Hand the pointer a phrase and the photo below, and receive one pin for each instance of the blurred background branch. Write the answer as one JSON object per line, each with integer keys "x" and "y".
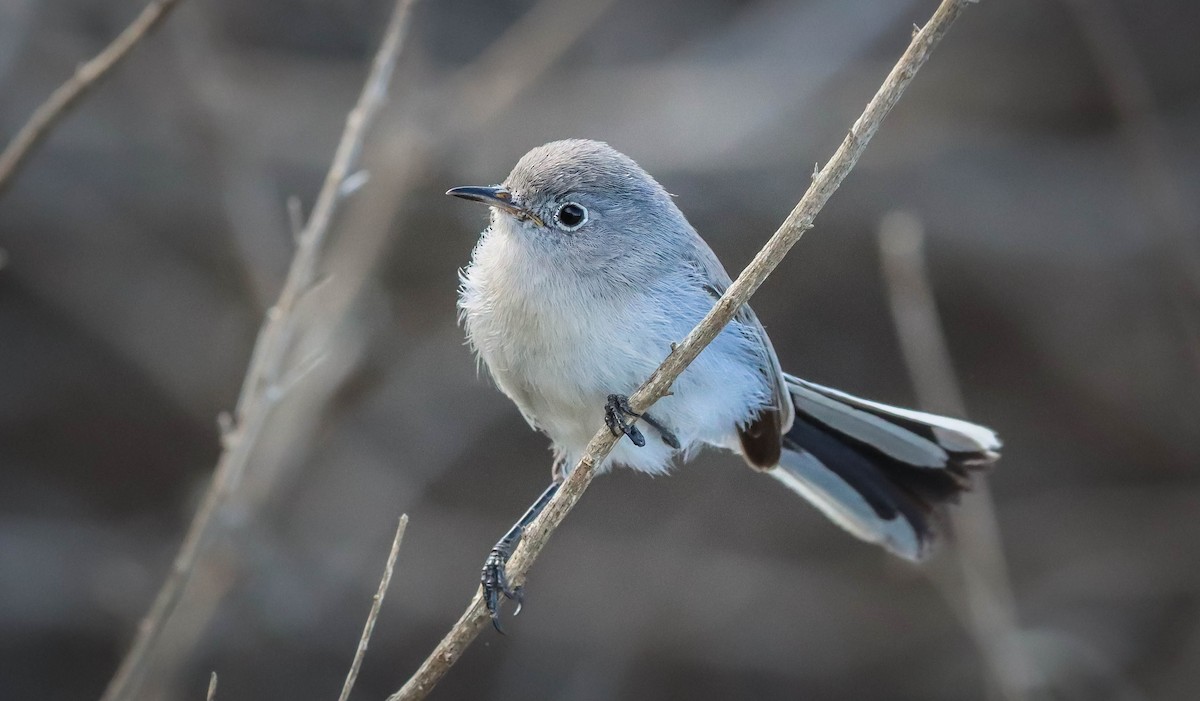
{"x": 1163, "y": 201}
{"x": 86, "y": 76}
{"x": 988, "y": 601}
{"x": 270, "y": 375}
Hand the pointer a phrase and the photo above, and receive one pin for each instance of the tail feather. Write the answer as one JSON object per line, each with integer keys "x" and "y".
{"x": 879, "y": 471}
{"x": 973, "y": 441}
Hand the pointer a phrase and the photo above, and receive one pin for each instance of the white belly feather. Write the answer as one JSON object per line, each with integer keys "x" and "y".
{"x": 526, "y": 327}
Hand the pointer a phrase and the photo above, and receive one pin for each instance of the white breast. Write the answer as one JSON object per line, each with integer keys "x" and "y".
{"x": 527, "y": 324}
{"x": 558, "y": 344}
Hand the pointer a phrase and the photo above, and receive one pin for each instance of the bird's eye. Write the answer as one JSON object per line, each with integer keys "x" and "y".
{"x": 571, "y": 216}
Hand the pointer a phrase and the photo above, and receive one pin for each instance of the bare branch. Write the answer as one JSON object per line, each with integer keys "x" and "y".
{"x": 295, "y": 214}
{"x": 48, "y": 114}
{"x": 522, "y": 55}
{"x": 1133, "y": 99}
{"x": 212, "y": 688}
{"x": 1157, "y": 181}
{"x": 797, "y": 222}
{"x": 376, "y": 605}
{"x": 990, "y": 610}
{"x": 914, "y": 313}
{"x": 267, "y": 359}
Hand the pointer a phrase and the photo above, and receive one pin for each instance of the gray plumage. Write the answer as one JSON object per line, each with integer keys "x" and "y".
{"x": 565, "y": 309}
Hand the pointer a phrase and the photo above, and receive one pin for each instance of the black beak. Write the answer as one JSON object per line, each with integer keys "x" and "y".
{"x": 494, "y": 197}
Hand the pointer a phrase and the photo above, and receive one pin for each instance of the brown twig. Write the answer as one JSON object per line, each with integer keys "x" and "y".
{"x": 823, "y": 185}
{"x": 990, "y": 612}
{"x": 43, "y": 119}
{"x": 376, "y": 605}
{"x": 261, "y": 388}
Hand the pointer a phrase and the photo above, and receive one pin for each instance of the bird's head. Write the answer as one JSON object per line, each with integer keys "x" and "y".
{"x": 584, "y": 198}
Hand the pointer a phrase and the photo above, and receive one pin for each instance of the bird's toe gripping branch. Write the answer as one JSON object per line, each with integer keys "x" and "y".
{"x": 495, "y": 582}
{"x": 620, "y": 417}
{"x": 494, "y": 576}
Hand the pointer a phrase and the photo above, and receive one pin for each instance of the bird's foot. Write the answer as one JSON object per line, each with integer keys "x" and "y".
{"x": 665, "y": 433}
{"x": 494, "y": 580}
{"x": 619, "y": 417}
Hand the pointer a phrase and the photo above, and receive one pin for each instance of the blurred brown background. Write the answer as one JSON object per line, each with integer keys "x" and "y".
{"x": 1050, "y": 150}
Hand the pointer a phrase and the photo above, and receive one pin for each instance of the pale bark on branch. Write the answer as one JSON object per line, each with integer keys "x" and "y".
{"x": 824, "y": 183}
{"x": 267, "y": 378}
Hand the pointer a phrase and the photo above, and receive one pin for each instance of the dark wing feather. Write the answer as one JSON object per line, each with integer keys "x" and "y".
{"x": 762, "y": 439}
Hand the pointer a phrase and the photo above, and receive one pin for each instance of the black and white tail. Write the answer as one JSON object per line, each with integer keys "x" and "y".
{"x": 876, "y": 470}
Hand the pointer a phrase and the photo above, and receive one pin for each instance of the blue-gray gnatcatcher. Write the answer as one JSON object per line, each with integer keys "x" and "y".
{"x": 574, "y": 295}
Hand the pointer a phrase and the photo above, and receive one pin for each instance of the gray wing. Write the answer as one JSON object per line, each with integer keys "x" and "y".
{"x": 711, "y": 275}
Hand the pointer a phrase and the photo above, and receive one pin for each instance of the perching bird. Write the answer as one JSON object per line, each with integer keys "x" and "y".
{"x": 576, "y": 292}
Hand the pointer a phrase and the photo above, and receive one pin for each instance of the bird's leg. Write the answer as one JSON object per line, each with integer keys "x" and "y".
{"x": 493, "y": 577}
{"x": 618, "y": 415}
{"x": 665, "y": 433}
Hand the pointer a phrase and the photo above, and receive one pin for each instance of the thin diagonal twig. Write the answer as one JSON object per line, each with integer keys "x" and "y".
{"x": 259, "y": 393}
{"x": 823, "y": 185}
{"x": 376, "y": 605}
{"x": 86, "y": 76}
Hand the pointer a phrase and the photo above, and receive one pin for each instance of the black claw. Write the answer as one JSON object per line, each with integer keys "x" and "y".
{"x": 490, "y": 598}
{"x": 494, "y": 580}
{"x": 617, "y": 415}
{"x": 518, "y": 595}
